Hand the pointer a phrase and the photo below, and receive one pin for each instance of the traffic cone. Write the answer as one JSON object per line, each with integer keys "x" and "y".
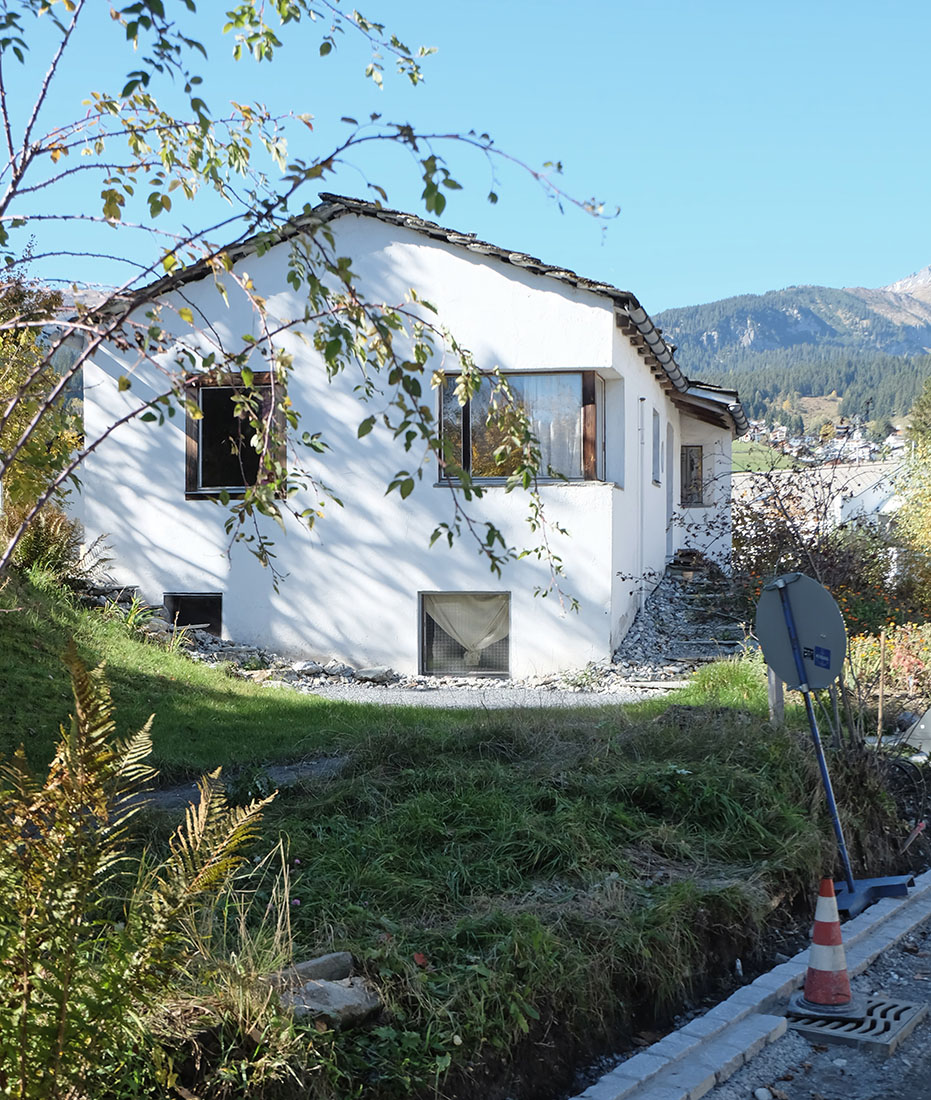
{"x": 827, "y": 985}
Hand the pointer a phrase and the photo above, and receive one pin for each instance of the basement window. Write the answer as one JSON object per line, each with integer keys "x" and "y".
{"x": 221, "y": 455}
{"x": 692, "y": 477}
{"x": 562, "y": 410}
{"x": 203, "y": 609}
{"x": 465, "y": 633}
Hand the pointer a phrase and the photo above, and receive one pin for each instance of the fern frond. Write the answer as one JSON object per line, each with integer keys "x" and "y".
{"x": 207, "y": 848}
{"x": 93, "y": 706}
{"x": 132, "y": 775}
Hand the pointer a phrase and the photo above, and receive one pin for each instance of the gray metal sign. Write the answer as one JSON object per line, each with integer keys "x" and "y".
{"x": 819, "y": 624}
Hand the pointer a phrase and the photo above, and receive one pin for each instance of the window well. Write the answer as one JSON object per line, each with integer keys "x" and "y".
{"x": 203, "y": 609}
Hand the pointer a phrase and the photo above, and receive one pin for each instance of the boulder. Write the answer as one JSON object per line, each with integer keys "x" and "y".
{"x": 380, "y": 674}
{"x": 342, "y": 1003}
{"x": 337, "y": 668}
{"x": 157, "y": 627}
{"x": 308, "y": 668}
{"x": 331, "y": 967}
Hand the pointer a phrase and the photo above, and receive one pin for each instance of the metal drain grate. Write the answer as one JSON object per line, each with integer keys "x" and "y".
{"x": 887, "y": 1023}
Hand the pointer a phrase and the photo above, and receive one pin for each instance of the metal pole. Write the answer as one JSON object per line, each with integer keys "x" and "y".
{"x": 882, "y": 688}
{"x": 815, "y": 736}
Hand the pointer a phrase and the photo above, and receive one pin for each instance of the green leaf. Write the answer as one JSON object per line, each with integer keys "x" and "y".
{"x": 186, "y": 314}
{"x": 325, "y": 48}
{"x": 148, "y": 417}
{"x": 123, "y": 383}
{"x": 365, "y": 427}
{"x": 406, "y": 488}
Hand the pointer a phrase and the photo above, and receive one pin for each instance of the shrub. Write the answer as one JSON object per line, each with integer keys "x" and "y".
{"x": 52, "y": 543}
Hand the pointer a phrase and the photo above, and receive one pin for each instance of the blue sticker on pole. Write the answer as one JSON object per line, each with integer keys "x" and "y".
{"x": 822, "y": 657}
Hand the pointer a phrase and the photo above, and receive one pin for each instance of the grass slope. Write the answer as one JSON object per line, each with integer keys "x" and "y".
{"x": 520, "y": 886}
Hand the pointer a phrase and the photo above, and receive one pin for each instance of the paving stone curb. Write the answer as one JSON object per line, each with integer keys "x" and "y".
{"x": 689, "y": 1062}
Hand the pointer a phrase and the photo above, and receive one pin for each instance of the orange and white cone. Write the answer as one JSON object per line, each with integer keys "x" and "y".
{"x": 827, "y": 984}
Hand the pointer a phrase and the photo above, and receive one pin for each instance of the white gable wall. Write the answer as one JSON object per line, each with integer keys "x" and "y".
{"x": 351, "y": 585}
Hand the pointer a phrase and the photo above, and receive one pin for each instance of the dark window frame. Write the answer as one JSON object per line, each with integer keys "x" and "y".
{"x": 193, "y": 490}
{"x": 592, "y": 445}
{"x": 691, "y": 487}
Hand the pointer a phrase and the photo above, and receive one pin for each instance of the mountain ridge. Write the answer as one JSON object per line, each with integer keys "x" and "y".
{"x": 868, "y": 344}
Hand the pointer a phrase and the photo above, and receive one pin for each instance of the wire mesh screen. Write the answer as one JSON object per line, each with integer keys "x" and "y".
{"x": 444, "y": 654}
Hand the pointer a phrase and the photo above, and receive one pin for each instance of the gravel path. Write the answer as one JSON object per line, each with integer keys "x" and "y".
{"x": 492, "y": 694}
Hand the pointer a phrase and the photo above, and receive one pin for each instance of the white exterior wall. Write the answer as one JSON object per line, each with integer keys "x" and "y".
{"x": 352, "y": 584}
{"x": 707, "y": 526}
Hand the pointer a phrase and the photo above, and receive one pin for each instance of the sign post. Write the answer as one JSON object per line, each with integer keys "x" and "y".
{"x": 804, "y": 641}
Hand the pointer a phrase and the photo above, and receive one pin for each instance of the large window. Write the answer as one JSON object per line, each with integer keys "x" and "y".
{"x": 465, "y": 633}
{"x": 561, "y": 408}
{"x": 692, "y": 479}
{"x": 221, "y": 453}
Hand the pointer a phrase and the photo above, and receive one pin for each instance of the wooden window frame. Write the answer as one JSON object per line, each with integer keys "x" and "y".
{"x": 592, "y": 446}
{"x": 192, "y": 433}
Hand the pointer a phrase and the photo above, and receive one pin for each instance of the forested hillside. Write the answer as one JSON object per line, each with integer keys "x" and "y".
{"x": 875, "y": 387}
{"x": 869, "y": 347}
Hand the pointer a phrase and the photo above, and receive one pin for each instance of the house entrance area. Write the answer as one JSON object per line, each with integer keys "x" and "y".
{"x": 465, "y": 633}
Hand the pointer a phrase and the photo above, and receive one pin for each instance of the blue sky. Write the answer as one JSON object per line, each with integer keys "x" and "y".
{"x": 749, "y": 144}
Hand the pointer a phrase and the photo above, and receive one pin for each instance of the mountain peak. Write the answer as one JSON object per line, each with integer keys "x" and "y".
{"x": 920, "y": 280}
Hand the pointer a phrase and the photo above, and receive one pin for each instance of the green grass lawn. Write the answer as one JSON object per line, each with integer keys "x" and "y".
{"x": 755, "y": 457}
{"x": 508, "y": 880}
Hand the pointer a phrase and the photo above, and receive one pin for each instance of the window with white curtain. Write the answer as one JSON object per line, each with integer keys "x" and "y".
{"x": 465, "y": 633}
{"x": 560, "y": 407}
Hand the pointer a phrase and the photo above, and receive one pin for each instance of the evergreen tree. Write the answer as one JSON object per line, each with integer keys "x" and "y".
{"x": 919, "y": 427}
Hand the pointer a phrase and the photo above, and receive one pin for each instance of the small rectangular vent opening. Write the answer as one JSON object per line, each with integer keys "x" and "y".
{"x": 203, "y": 609}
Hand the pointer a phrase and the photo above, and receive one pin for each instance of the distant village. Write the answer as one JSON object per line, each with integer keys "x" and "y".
{"x": 841, "y": 442}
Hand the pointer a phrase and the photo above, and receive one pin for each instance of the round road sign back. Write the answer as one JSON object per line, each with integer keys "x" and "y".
{"x": 818, "y": 623}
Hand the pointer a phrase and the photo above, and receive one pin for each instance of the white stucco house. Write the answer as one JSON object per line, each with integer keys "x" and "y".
{"x": 644, "y": 452}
